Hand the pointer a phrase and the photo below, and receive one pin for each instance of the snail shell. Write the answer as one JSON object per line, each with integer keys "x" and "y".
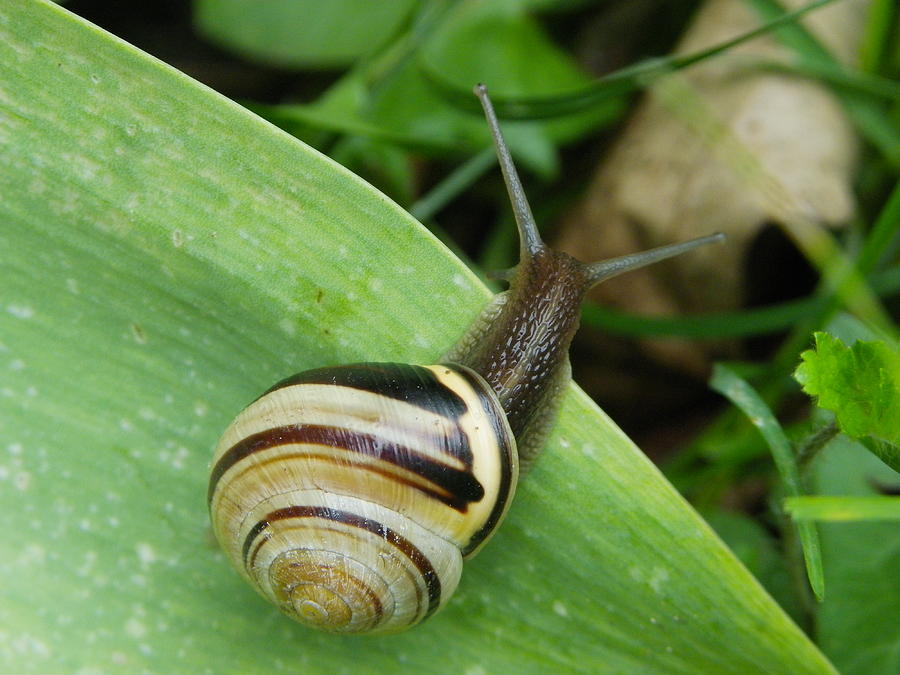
{"x": 349, "y": 496}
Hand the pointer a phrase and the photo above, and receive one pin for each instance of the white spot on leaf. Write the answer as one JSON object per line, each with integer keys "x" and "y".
{"x": 288, "y": 327}
{"x": 20, "y": 311}
{"x": 145, "y": 553}
{"x": 135, "y": 628}
{"x": 22, "y": 481}
{"x": 658, "y": 577}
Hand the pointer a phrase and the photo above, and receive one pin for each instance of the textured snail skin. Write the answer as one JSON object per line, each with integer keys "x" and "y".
{"x": 349, "y": 496}
{"x": 520, "y": 343}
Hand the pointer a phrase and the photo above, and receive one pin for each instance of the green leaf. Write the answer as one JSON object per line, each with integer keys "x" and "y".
{"x": 300, "y": 33}
{"x": 636, "y": 76}
{"x": 861, "y": 384}
{"x": 164, "y": 257}
{"x": 410, "y": 112}
{"x": 394, "y": 96}
{"x": 463, "y": 51}
{"x": 858, "y": 624}
{"x": 466, "y": 42}
{"x": 740, "y": 393}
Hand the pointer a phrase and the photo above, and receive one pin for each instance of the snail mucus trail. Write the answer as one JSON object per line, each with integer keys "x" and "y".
{"x": 350, "y": 495}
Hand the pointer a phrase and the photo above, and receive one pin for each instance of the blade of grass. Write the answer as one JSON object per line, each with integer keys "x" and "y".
{"x": 882, "y": 240}
{"x": 745, "y": 323}
{"x": 852, "y": 81}
{"x": 876, "y": 38}
{"x": 869, "y": 116}
{"x": 741, "y": 394}
{"x": 453, "y": 185}
{"x": 842, "y": 509}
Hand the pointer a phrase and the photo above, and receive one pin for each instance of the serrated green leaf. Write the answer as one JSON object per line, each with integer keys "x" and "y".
{"x": 165, "y": 256}
{"x": 859, "y": 383}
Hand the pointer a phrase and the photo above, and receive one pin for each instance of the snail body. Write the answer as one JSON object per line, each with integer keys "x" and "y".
{"x": 349, "y": 496}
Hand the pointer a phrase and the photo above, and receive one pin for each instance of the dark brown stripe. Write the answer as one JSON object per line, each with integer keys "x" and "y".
{"x": 406, "y": 547}
{"x": 489, "y": 402}
{"x": 411, "y": 384}
{"x": 251, "y": 536}
{"x": 459, "y": 485}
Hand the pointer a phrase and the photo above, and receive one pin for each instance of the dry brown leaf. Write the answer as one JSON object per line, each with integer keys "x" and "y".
{"x": 722, "y": 146}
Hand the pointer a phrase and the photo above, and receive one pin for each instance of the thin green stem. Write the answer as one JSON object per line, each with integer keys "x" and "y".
{"x": 453, "y": 185}
{"x": 813, "y": 443}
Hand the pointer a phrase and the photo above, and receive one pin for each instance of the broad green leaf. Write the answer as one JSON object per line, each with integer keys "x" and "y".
{"x": 300, "y": 33}
{"x": 858, "y": 624}
{"x": 861, "y": 384}
{"x": 164, "y": 257}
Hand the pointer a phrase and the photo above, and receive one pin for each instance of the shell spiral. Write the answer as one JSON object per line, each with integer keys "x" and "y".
{"x": 349, "y": 496}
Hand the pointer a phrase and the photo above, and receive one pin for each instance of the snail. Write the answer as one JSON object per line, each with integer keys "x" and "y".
{"x": 350, "y": 495}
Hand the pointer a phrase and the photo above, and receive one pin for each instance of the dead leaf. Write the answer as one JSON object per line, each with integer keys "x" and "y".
{"x": 722, "y": 146}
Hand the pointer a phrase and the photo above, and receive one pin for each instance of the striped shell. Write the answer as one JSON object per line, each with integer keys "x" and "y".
{"x": 349, "y": 496}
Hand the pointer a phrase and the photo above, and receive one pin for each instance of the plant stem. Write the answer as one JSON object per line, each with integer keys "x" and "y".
{"x": 813, "y": 443}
